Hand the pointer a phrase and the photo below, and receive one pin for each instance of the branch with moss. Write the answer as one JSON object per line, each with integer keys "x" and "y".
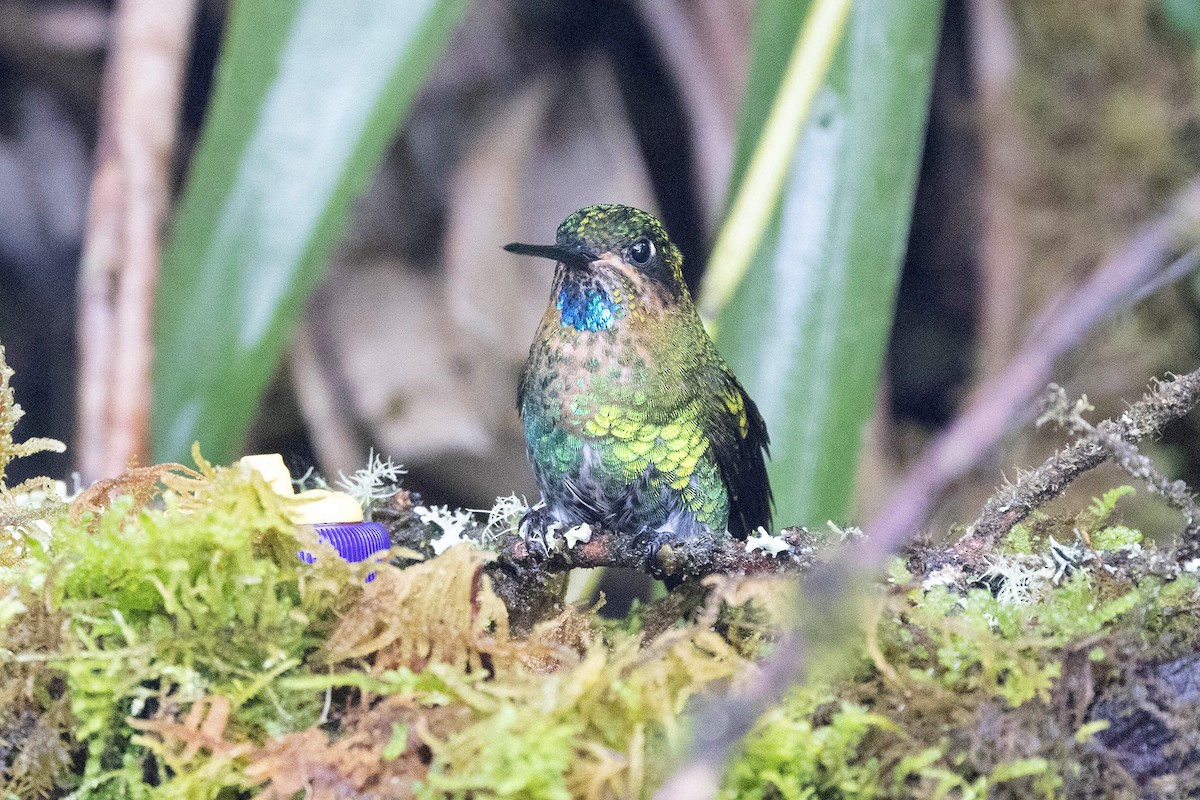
{"x": 1126, "y": 454}
{"x": 1169, "y": 401}
{"x": 679, "y": 562}
{"x": 429, "y": 531}
{"x": 528, "y": 573}
{"x": 1147, "y": 261}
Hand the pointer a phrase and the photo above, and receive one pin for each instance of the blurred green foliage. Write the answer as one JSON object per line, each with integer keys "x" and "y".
{"x": 807, "y": 329}
{"x": 306, "y": 99}
{"x": 308, "y": 94}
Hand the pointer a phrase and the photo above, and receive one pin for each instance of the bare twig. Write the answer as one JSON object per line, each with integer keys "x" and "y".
{"x": 1005, "y": 400}
{"x": 130, "y": 191}
{"x": 1147, "y": 417}
{"x": 1127, "y": 456}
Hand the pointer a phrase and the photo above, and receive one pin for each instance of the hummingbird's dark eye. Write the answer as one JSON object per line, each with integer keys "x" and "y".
{"x": 641, "y": 251}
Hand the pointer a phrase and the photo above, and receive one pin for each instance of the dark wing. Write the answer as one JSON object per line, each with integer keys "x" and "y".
{"x": 521, "y": 390}
{"x": 741, "y": 457}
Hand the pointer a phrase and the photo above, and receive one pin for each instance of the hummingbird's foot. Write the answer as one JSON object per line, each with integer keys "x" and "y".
{"x": 670, "y": 549}
{"x": 537, "y": 528}
{"x": 656, "y": 547}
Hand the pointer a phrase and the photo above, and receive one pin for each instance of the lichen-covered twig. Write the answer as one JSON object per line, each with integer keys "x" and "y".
{"x": 689, "y": 560}
{"x": 1126, "y": 454}
{"x": 1169, "y": 401}
{"x": 998, "y": 404}
{"x": 431, "y": 530}
{"x": 526, "y": 574}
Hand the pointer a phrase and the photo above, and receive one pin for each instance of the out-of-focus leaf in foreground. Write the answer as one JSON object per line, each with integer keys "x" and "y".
{"x": 308, "y": 94}
{"x": 806, "y": 329}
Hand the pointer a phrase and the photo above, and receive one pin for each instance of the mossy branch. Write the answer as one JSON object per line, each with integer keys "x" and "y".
{"x": 587, "y": 547}
{"x": 683, "y": 562}
{"x": 529, "y": 575}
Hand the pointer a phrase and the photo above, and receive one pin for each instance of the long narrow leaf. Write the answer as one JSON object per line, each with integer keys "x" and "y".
{"x": 766, "y": 172}
{"x": 806, "y": 330}
{"x": 308, "y": 94}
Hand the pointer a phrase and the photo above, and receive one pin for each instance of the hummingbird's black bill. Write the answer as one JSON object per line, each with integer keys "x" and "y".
{"x": 571, "y": 256}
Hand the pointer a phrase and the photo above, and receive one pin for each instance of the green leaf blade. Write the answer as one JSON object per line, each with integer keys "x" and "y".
{"x": 308, "y": 95}
{"x": 807, "y": 330}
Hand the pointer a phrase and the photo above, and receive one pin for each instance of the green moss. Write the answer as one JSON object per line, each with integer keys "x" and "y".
{"x": 1116, "y": 537}
{"x": 1018, "y": 541}
{"x": 1102, "y": 507}
{"x": 509, "y": 755}
{"x": 170, "y": 643}
{"x": 161, "y": 639}
{"x": 957, "y": 697}
{"x": 978, "y": 643}
{"x": 791, "y": 757}
{"x": 166, "y": 606}
{"x": 187, "y": 652}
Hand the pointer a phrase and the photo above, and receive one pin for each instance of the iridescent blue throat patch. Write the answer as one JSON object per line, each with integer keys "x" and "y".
{"x": 587, "y": 308}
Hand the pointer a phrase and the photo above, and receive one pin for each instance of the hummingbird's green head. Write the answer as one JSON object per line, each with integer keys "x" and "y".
{"x": 612, "y": 260}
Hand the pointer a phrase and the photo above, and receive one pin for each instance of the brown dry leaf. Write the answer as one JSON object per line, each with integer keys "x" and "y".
{"x": 559, "y": 642}
{"x": 141, "y": 483}
{"x": 357, "y": 763}
{"x": 442, "y": 610}
{"x": 308, "y": 762}
{"x": 203, "y": 729}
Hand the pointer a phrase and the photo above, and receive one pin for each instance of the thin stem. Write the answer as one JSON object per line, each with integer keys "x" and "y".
{"x": 130, "y": 193}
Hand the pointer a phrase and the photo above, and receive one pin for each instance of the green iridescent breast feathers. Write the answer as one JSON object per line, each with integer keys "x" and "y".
{"x": 633, "y": 420}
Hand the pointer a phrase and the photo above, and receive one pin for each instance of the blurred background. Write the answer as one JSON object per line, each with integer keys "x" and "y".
{"x": 1056, "y": 131}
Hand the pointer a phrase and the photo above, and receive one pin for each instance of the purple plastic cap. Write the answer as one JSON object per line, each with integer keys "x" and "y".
{"x": 354, "y": 541}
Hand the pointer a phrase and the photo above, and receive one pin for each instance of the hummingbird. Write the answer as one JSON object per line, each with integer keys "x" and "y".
{"x": 633, "y": 420}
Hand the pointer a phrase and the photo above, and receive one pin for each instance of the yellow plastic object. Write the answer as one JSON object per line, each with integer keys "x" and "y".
{"x": 309, "y": 508}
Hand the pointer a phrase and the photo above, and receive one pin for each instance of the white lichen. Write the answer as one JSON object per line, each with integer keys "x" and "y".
{"x": 378, "y": 480}
{"x": 1027, "y": 579}
{"x": 948, "y": 575}
{"x": 39, "y": 497}
{"x": 769, "y": 543}
{"x": 1018, "y": 580}
{"x": 849, "y": 532}
{"x": 311, "y": 479}
{"x": 547, "y": 538}
{"x": 453, "y": 524}
{"x": 576, "y": 534}
{"x": 504, "y": 517}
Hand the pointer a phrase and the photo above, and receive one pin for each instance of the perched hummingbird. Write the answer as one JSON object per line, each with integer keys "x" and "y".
{"x": 632, "y": 419}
